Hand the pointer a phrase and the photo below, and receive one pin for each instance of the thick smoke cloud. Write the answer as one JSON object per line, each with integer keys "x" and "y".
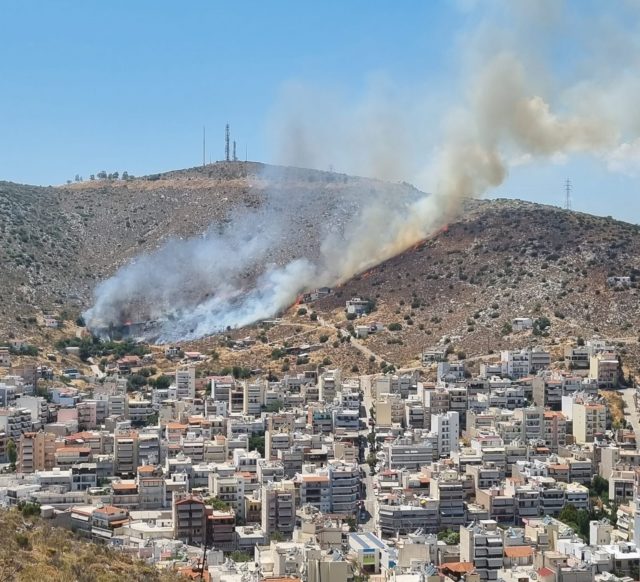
{"x": 511, "y": 107}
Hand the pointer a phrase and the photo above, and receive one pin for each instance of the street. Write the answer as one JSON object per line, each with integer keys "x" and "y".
{"x": 630, "y": 411}
{"x": 370, "y": 500}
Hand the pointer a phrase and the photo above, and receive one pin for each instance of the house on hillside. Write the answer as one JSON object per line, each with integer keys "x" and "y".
{"x": 50, "y": 321}
{"x": 433, "y": 355}
{"x": 126, "y": 364}
{"x": 5, "y": 357}
{"x": 316, "y": 294}
{"x": 357, "y": 306}
{"x": 522, "y": 323}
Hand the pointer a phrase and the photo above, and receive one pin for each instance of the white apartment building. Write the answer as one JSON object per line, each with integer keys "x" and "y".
{"x": 185, "y": 383}
{"x": 446, "y": 427}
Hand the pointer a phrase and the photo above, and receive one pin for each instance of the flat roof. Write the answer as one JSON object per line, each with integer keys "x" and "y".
{"x": 367, "y": 540}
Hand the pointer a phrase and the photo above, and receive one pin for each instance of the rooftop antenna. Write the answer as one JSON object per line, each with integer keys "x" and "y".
{"x": 567, "y": 194}
{"x": 234, "y": 157}
{"x": 226, "y": 142}
{"x": 204, "y": 145}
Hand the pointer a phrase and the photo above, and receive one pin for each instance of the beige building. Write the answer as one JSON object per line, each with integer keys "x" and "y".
{"x": 389, "y": 409}
{"x": 604, "y": 368}
{"x": 589, "y": 419}
{"x": 36, "y": 452}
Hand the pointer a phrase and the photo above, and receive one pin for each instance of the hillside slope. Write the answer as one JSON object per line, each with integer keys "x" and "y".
{"x": 32, "y": 550}
{"x": 461, "y": 288}
{"x": 503, "y": 259}
{"x": 57, "y": 243}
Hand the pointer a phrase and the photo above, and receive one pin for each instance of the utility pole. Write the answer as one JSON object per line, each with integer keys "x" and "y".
{"x": 204, "y": 146}
{"x": 567, "y": 194}
{"x": 204, "y": 559}
{"x": 226, "y": 142}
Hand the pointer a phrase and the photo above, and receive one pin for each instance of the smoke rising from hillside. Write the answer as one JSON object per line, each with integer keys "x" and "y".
{"x": 510, "y": 107}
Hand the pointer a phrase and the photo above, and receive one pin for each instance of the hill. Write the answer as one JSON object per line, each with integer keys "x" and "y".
{"x": 57, "y": 243}
{"x": 461, "y": 289}
{"x": 33, "y": 550}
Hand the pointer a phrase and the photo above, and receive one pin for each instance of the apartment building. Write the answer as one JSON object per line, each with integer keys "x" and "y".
{"x": 125, "y": 453}
{"x": 446, "y": 426}
{"x": 406, "y": 519}
{"x": 185, "y": 386}
{"x": 589, "y": 420}
{"x": 481, "y": 544}
{"x": 446, "y": 487}
{"x": 189, "y": 519}
{"x": 36, "y": 452}
{"x": 278, "y": 508}
{"x": 344, "y": 482}
{"x": 604, "y": 368}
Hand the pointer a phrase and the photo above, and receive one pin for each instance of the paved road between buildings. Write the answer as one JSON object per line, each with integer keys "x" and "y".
{"x": 631, "y": 412}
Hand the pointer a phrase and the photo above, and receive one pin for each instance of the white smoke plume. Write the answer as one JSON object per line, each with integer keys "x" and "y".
{"x": 511, "y": 107}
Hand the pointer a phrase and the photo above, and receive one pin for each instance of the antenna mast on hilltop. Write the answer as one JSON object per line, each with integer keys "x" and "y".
{"x": 567, "y": 194}
{"x": 234, "y": 157}
{"x": 204, "y": 146}
{"x": 226, "y": 142}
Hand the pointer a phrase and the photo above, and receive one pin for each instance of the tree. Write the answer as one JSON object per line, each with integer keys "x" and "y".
{"x": 136, "y": 381}
{"x": 162, "y": 382}
{"x": 102, "y": 175}
{"x": 372, "y": 461}
{"x": 12, "y": 453}
{"x": 278, "y": 353}
{"x": 541, "y": 325}
{"x": 217, "y": 504}
{"x": 449, "y": 537}
{"x": 569, "y": 514}
{"x": 256, "y": 443}
{"x": 599, "y": 486}
{"x": 275, "y": 406}
{"x": 125, "y": 175}
{"x": 239, "y": 372}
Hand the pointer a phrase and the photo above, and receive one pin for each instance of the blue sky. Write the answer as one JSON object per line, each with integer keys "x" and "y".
{"x": 118, "y": 85}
